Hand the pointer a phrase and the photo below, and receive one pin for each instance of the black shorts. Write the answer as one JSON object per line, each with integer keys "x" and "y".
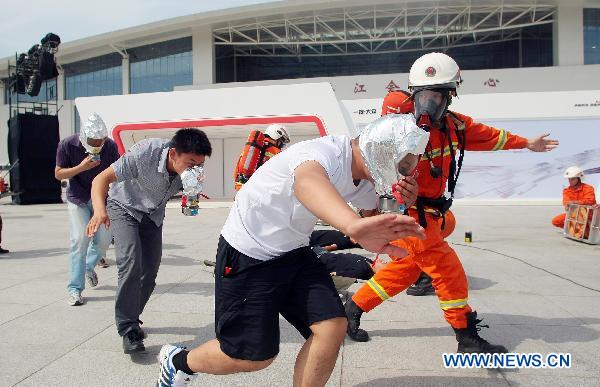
{"x": 250, "y": 294}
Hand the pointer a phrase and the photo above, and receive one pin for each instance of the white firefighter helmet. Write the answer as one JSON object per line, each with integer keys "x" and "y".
{"x": 434, "y": 69}
{"x": 277, "y": 132}
{"x": 573, "y": 172}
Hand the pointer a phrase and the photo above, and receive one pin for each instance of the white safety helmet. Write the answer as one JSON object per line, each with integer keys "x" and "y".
{"x": 277, "y": 132}
{"x": 434, "y": 69}
{"x": 573, "y": 171}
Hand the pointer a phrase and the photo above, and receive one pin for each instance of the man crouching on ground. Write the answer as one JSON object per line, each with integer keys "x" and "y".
{"x": 265, "y": 267}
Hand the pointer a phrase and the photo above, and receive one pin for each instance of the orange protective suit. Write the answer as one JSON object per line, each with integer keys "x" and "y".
{"x": 581, "y": 194}
{"x": 433, "y": 255}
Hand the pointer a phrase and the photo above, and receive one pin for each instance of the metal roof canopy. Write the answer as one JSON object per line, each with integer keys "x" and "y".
{"x": 378, "y": 29}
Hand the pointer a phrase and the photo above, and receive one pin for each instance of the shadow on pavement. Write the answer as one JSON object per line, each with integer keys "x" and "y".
{"x": 437, "y": 381}
{"x": 29, "y": 254}
{"x": 478, "y": 283}
{"x": 547, "y": 330}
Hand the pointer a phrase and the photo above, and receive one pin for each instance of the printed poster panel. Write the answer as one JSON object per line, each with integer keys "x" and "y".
{"x": 524, "y": 174}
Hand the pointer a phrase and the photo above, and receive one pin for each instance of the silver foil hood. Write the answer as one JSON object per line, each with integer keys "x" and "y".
{"x": 385, "y": 142}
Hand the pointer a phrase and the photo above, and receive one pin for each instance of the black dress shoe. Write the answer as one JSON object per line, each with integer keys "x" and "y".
{"x": 4, "y": 251}
{"x": 133, "y": 341}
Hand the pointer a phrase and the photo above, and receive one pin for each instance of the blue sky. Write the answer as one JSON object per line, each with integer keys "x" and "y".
{"x": 24, "y": 23}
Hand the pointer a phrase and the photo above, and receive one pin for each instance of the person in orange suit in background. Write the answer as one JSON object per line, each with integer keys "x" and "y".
{"x": 254, "y": 155}
{"x": 433, "y": 81}
{"x": 577, "y": 192}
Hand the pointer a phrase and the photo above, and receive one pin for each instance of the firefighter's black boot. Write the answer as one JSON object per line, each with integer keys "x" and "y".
{"x": 422, "y": 287}
{"x": 353, "y": 312}
{"x": 469, "y": 340}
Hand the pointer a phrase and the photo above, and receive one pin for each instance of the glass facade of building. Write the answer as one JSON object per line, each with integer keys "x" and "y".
{"x": 591, "y": 35}
{"x": 101, "y": 75}
{"x": 161, "y": 66}
{"x": 533, "y": 48}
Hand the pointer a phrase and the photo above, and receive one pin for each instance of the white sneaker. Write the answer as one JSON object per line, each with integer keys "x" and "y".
{"x": 91, "y": 278}
{"x": 169, "y": 376}
{"x": 75, "y": 299}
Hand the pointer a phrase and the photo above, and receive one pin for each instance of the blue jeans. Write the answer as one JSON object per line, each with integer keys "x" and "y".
{"x": 85, "y": 252}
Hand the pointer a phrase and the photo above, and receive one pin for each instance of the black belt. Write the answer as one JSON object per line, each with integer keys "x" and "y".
{"x": 441, "y": 204}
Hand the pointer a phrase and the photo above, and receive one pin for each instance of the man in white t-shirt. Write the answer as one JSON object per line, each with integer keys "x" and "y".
{"x": 264, "y": 264}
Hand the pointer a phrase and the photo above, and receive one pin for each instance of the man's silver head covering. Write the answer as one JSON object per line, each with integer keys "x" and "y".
{"x": 385, "y": 142}
{"x": 93, "y": 128}
{"x": 192, "y": 179}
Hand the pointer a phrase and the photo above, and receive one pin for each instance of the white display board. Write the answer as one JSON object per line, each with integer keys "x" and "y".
{"x": 528, "y": 175}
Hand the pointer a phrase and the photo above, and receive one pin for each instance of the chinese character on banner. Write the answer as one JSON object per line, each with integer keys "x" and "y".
{"x": 491, "y": 82}
{"x": 359, "y": 88}
{"x": 392, "y": 86}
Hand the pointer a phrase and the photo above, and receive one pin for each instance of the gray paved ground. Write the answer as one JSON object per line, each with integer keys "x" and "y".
{"x": 526, "y": 280}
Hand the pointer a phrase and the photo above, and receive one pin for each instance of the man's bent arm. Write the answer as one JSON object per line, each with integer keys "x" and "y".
{"x": 314, "y": 190}
{"x": 100, "y": 186}
{"x": 66, "y": 173}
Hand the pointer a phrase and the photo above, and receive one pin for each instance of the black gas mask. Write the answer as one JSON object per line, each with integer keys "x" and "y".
{"x": 431, "y": 104}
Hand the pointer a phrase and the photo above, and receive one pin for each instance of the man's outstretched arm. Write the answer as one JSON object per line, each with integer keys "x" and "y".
{"x": 314, "y": 190}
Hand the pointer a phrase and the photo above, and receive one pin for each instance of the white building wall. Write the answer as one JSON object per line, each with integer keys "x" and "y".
{"x": 214, "y": 181}
{"x": 4, "y": 116}
{"x": 568, "y": 34}
{"x": 60, "y": 85}
{"x": 125, "y": 71}
{"x": 203, "y": 56}
{"x": 231, "y": 152}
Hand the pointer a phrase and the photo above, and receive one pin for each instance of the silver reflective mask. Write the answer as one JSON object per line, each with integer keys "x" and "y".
{"x": 94, "y": 128}
{"x": 191, "y": 179}
{"x": 385, "y": 142}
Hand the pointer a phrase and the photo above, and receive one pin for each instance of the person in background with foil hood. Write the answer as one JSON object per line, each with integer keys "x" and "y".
{"x": 80, "y": 158}
{"x": 141, "y": 183}
{"x": 433, "y": 81}
{"x": 265, "y": 266}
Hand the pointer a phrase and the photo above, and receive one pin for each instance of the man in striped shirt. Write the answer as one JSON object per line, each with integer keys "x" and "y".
{"x": 143, "y": 180}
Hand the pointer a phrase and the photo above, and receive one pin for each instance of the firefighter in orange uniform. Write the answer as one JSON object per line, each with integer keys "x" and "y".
{"x": 577, "y": 192}
{"x": 433, "y": 81}
{"x": 258, "y": 150}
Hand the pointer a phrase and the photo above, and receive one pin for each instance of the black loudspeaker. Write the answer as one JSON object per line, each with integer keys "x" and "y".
{"x": 34, "y": 85}
{"x": 19, "y": 83}
{"x": 47, "y": 67}
{"x": 32, "y": 140}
